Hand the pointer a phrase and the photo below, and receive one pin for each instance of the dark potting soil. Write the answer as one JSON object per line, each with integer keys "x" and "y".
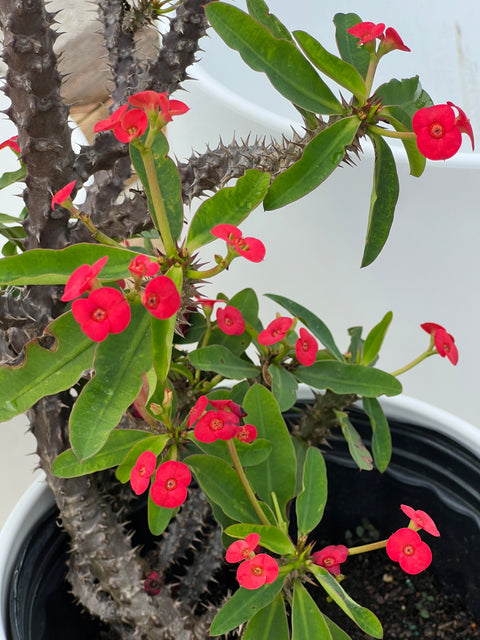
{"x": 408, "y": 607}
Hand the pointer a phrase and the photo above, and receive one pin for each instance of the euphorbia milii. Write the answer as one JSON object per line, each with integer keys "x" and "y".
{"x": 275, "y": 331}
{"x": 250, "y": 248}
{"x": 142, "y": 471}
{"x": 230, "y": 321}
{"x": 84, "y": 278}
{"x": 407, "y": 548}
{"x": 161, "y": 297}
{"x": 444, "y": 342}
{"x": 170, "y": 487}
{"x": 439, "y": 130}
{"x": 105, "y": 311}
{"x": 331, "y": 557}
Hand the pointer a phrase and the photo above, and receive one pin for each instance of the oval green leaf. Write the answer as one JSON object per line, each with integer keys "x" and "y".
{"x": 349, "y": 378}
{"x": 308, "y": 622}
{"x": 320, "y": 157}
{"x": 287, "y": 69}
{"x": 347, "y": 44}
{"x": 312, "y": 499}
{"x": 358, "y": 451}
{"x": 270, "y": 622}
{"x": 284, "y": 386}
{"x": 219, "y": 359}
{"x": 381, "y": 436}
{"x": 383, "y": 201}
{"x": 375, "y": 338}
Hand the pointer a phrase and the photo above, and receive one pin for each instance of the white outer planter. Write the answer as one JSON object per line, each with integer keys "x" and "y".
{"x": 39, "y": 499}
{"x": 427, "y": 271}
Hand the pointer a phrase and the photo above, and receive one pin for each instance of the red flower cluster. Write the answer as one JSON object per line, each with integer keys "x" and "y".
{"x": 142, "y": 267}
{"x": 254, "y": 570}
{"x": 444, "y": 342}
{"x": 439, "y": 130}
{"x": 306, "y": 348}
{"x": 275, "y": 331}
{"x": 172, "y": 478}
{"x": 128, "y": 125}
{"x": 368, "y": 31}
{"x": 63, "y": 196}
{"x": 161, "y": 297}
{"x": 331, "y": 557}
{"x": 230, "y": 321}
{"x": 405, "y": 545}
{"x": 250, "y": 248}
{"x": 11, "y": 143}
{"x": 84, "y": 278}
{"x": 221, "y": 422}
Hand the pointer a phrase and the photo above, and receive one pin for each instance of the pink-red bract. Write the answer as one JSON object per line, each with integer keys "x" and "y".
{"x": 230, "y": 321}
{"x": 170, "y": 486}
{"x": 161, "y": 297}
{"x": 275, "y": 331}
{"x": 64, "y": 194}
{"x": 331, "y": 557}
{"x": 105, "y": 311}
{"x": 242, "y": 549}
{"x": 306, "y": 348}
{"x": 421, "y": 519}
{"x": 407, "y": 548}
{"x": 142, "y": 471}
{"x": 259, "y": 570}
{"x": 82, "y": 279}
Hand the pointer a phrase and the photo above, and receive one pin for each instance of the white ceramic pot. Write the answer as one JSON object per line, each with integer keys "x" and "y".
{"x": 427, "y": 271}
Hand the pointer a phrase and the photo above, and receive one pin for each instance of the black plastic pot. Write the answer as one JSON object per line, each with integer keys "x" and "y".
{"x": 428, "y": 471}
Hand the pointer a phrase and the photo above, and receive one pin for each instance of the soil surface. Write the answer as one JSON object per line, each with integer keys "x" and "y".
{"x": 407, "y": 606}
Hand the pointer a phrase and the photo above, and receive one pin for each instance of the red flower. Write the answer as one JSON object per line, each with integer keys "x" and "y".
{"x": 132, "y": 125}
{"x": 367, "y": 31}
{"x": 170, "y": 486}
{"x": 243, "y": 549}
{"x": 306, "y": 348}
{"x": 392, "y": 41}
{"x": 250, "y": 248}
{"x": 141, "y": 472}
{"x": 230, "y": 321}
{"x": 438, "y": 135}
{"x": 463, "y": 123}
{"x": 420, "y": 519}
{"x": 152, "y": 102}
{"x": 197, "y": 410}
{"x": 247, "y": 433}
{"x": 259, "y": 570}
{"x": 275, "y": 332}
{"x": 11, "y": 143}
{"x": 104, "y": 311}
{"x": 63, "y": 196}
{"x": 216, "y": 425}
{"x": 112, "y": 121}
{"x": 161, "y": 297}
{"x": 444, "y": 342}
{"x": 84, "y": 278}
{"x": 228, "y": 405}
{"x": 153, "y": 584}
{"x": 141, "y": 266}
{"x": 331, "y": 557}
{"x": 407, "y": 548}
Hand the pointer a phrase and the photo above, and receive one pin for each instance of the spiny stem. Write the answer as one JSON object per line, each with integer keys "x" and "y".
{"x": 245, "y": 483}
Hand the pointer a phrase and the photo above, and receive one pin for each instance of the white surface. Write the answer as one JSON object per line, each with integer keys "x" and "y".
{"x": 428, "y": 270}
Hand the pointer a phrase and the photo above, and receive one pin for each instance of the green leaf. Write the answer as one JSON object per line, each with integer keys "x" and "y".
{"x": 347, "y": 44}
{"x": 407, "y": 93}
{"x": 245, "y": 603}
{"x": 381, "y": 437}
{"x": 49, "y": 266}
{"x": 364, "y": 618}
{"x": 374, "y": 340}
{"x": 312, "y": 499}
{"x": 349, "y": 378}
{"x": 401, "y": 121}
{"x": 358, "y": 450}
{"x": 6, "y": 218}
{"x": 219, "y": 359}
{"x": 284, "y": 386}
{"x": 222, "y": 485}
{"x": 383, "y": 201}
{"x": 158, "y": 517}
{"x": 168, "y": 180}
{"x": 308, "y": 622}
{"x": 270, "y": 622}
{"x": 120, "y": 361}
{"x": 278, "y": 471}
{"x": 289, "y": 72}
{"x": 118, "y": 444}
{"x": 310, "y": 320}
{"x": 320, "y": 157}
{"x": 250, "y": 454}
{"x": 54, "y": 362}
{"x": 155, "y": 444}
{"x": 230, "y": 205}
{"x": 270, "y": 537}
{"x": 259, "y": 10}
{"x": 10, "y": 177}
{"x": 246, "y": 301}
{"x": 342, "y": 72}
{"x": 335, "y": 631}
